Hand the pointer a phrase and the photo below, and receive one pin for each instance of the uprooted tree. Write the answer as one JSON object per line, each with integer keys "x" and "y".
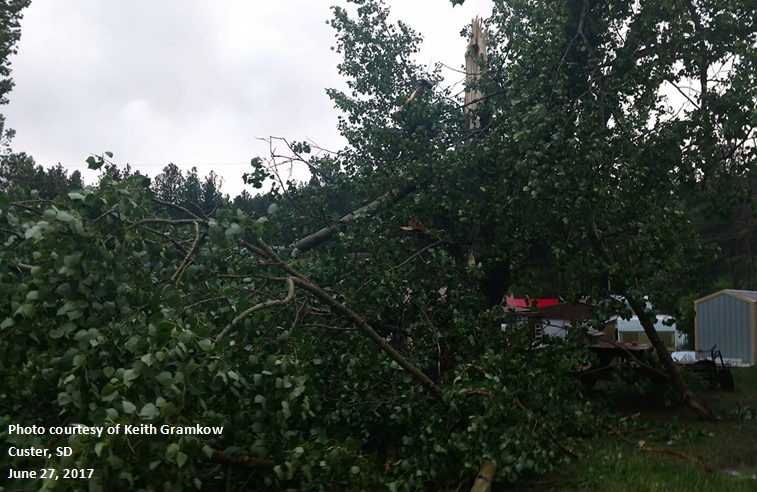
{"x": 350, "y": 338}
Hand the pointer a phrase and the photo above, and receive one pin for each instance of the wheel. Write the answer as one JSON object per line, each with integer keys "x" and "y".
{"x": 725, "y": 379}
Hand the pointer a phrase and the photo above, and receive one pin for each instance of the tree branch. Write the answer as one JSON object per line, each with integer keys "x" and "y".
{"x": 671, "y": 452}
{"x": 257, "y": 307}
{"x": 301, "y": 281}
{"x": 188, "y": 258}
{"x": 418, "y": 253}
{"x": 164, "y": 221}
{"x": 325, "y": 234}
{"x": 242, "y": 461}
{"x": 179, "y": 208}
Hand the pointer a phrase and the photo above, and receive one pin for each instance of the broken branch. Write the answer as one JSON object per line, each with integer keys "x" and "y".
{"x": 303, "y": 282}
{"x": 326, "y": 233}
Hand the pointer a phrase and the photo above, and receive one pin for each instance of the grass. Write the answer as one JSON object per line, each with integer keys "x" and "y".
{"x": 728, "y": 447}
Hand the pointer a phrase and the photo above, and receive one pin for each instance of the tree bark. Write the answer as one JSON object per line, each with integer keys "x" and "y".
{"x": 325, "y": 234}
{"x": 671, "y": 368}
{"x": 485, "y": 477}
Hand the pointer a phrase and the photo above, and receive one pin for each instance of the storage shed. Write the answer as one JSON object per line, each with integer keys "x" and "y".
{"x": 728, "y": 319}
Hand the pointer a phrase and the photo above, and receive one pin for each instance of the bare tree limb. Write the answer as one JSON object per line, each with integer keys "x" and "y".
{"x": 325, "y": 234}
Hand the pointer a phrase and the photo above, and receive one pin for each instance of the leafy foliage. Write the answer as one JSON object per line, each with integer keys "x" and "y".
{"x": 98, "y": 292}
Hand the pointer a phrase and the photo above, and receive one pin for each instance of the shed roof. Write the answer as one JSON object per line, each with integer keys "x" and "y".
{"x": 749, "y": 296}
{"x": 529, "y": 303}
{"x": 568, "y": 311}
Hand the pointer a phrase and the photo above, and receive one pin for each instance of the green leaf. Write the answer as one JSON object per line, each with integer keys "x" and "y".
{"x": 5, "y": 201}
{"x": 93, "y": 163}
{"x": 76, "y": 226}
{"x": 232, "y": 231}
{"x": 149, "y": 411}
{"x": 64, "y": 216}
{"x": 130, "y": 375}
{"x": 55, "y": 334}
{"x": 26, "y": 309}
{"x": 129, "y": 407}
{"x": 171, "y": 450}
{"x": 36, "y": 231}
{"x": 165, "y": 378}
{"x": 207, "y": 451}
{"x": 7, "y": 323}
{"x": 109, "y": 154}
{"x": 205, "y": 344}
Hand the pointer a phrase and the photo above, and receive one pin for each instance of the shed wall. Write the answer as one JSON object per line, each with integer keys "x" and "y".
{"x": 725, "y": 321}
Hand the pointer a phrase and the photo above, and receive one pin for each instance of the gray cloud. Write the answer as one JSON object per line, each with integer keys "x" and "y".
{"x": 189, "y": 81}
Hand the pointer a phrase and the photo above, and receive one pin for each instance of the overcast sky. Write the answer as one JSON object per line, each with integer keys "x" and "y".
{"x": 193, "y": 82}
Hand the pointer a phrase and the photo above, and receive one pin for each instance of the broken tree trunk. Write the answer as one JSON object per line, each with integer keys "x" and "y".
{"x": 474, "y": 55}
{"x": 638, "y": 307}
{"x": 671, "y": 368}
{"x": 485, "y": 477}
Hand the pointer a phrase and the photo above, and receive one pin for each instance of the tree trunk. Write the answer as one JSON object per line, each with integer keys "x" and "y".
{"x": 671, "y": 368}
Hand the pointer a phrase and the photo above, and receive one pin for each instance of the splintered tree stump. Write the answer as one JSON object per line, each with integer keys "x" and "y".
{"x": 474, "y": 53}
